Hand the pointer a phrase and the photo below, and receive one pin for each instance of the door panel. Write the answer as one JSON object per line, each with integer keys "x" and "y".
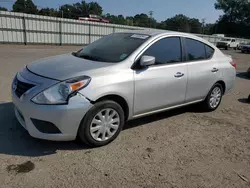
{"x": 163, "y": 84}
{"x": 159, "y": 87}
{"x": 202, "y": 69}
{"x": 201, "y": 77}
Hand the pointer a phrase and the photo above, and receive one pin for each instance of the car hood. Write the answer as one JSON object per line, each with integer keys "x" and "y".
{"x": 66, "y": 66}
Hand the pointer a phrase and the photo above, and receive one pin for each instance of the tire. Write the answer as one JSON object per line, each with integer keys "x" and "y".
{"x": 207, "y": 104}
{"x": 84, "y": 132}
{"x": 226, "y": 48}
{"x": 248, "y": 99}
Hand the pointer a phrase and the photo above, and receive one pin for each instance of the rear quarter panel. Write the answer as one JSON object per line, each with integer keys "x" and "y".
{"x": 227, "y": 72}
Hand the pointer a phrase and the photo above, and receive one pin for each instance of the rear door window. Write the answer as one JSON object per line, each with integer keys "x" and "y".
{"x": 195, "y": 50}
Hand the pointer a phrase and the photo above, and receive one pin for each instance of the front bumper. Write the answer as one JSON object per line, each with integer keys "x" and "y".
{"x": 66, "y": 118}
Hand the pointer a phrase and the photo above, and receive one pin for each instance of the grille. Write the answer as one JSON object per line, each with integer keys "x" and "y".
{"x": 22, "y": 87}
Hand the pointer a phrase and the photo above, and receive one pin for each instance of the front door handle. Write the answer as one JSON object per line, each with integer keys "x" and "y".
{"x": 214, "y": 70}
{"x": 179, "y": 74}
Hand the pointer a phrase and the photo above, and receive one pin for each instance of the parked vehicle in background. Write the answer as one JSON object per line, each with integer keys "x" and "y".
{"x": 246, "y": 48}
{"x": 228, "y": 43}
{"x": 241, "y": 45}
{"x": 90, "y": 94}
{"x": 93, "y": 18}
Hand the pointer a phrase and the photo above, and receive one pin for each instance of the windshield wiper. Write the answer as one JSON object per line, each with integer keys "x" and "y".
{"x": 90, "y": 57}
{"x": 74, "y": 54}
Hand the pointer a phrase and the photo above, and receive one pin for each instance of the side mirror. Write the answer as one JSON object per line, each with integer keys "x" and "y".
{"x": 147, "y": 61}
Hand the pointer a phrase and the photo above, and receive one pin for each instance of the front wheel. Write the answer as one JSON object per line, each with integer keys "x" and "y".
{"x": 102, "y": 124}
{"x": 213, "y": 98}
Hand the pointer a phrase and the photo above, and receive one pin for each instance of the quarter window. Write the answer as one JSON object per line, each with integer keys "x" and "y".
{"x": 195, "y": 50}
{"x": 209, "y": 51}
{"x": 167, "y": 50}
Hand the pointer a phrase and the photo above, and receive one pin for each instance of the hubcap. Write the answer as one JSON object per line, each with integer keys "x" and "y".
{"x": 215, "y": 97}
{"x": 105, "y": 124}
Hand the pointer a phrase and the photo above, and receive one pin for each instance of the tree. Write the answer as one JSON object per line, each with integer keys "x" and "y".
{"x": 209, "y": 29}
{"x": 177, "y": 23}
{"x": 142, "y": 20}
{"x": 48, "y": 12}
{"x": 79, "y": 9}
{"x": 94, "y": 8}
{"x": 236, "y": 19}
{"x": 25, "y": 6}
{"x": 3, "y": 9}
{"x": 234, "y": 9}
{"x": 130, "y": 20}
{"x": 68, "y": 11}
{"x": 116, "y": 19}
{"x": 195, "y": 25}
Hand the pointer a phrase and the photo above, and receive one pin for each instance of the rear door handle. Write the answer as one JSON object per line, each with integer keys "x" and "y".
{"x": 214, "y": 70}
{"x": 179, "y": 74}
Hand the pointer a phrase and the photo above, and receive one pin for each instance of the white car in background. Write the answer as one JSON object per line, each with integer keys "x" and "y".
{"x": 228, "y": 43}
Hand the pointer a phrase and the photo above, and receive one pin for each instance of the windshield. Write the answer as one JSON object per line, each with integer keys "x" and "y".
{"x": 226, "y": 40}
{"x": 112, "y": 48}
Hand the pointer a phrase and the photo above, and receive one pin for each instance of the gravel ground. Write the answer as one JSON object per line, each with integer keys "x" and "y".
{"x": 179, "y": 148}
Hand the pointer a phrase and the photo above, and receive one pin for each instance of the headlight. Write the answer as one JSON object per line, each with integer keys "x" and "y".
{"x": 61, "y": 92}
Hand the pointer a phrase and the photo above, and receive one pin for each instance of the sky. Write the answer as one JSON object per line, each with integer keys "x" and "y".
{"x": 162, "y": 9}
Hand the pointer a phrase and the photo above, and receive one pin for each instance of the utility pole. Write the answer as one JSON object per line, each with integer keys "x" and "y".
{"x": 203, "y": 21}
{"x": 151, "y": 17}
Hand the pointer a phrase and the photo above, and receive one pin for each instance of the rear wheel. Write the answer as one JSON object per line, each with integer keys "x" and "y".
{"x": 213, "y": 98}
{"x": 102, "y": 124}
{"x": 249, "y": 98}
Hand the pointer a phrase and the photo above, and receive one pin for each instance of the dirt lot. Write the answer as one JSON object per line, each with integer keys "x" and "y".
{"x": 180, "y": 148}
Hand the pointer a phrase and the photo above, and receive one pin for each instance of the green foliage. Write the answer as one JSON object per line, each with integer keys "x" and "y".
{"x": 25, "y": 6}
{"x": 236, "y": 18}
{"x": 79, "y": 9}
{"x": 141, "y": 20}
{"x": 182, "y": 23}
{"x": 48, "y": 12}
{"x": 3, "y": 9}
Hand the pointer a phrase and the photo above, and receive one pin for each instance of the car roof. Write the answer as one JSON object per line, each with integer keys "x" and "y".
{"x": 156, "y": 33}
{"x": 153, "y": 32}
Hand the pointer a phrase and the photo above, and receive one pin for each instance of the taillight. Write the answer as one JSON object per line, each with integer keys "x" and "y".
{"x": 233, "y": 63}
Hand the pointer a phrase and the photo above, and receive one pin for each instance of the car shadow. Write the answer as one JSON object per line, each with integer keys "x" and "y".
{"x": 15, "y": 140}
{"x": 195, "y": 108}
{"x": 244, "y": 100}
{"x": 243, "y": 75}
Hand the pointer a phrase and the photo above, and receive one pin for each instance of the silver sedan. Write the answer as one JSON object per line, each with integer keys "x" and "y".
{"x": 89, "y": 94}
